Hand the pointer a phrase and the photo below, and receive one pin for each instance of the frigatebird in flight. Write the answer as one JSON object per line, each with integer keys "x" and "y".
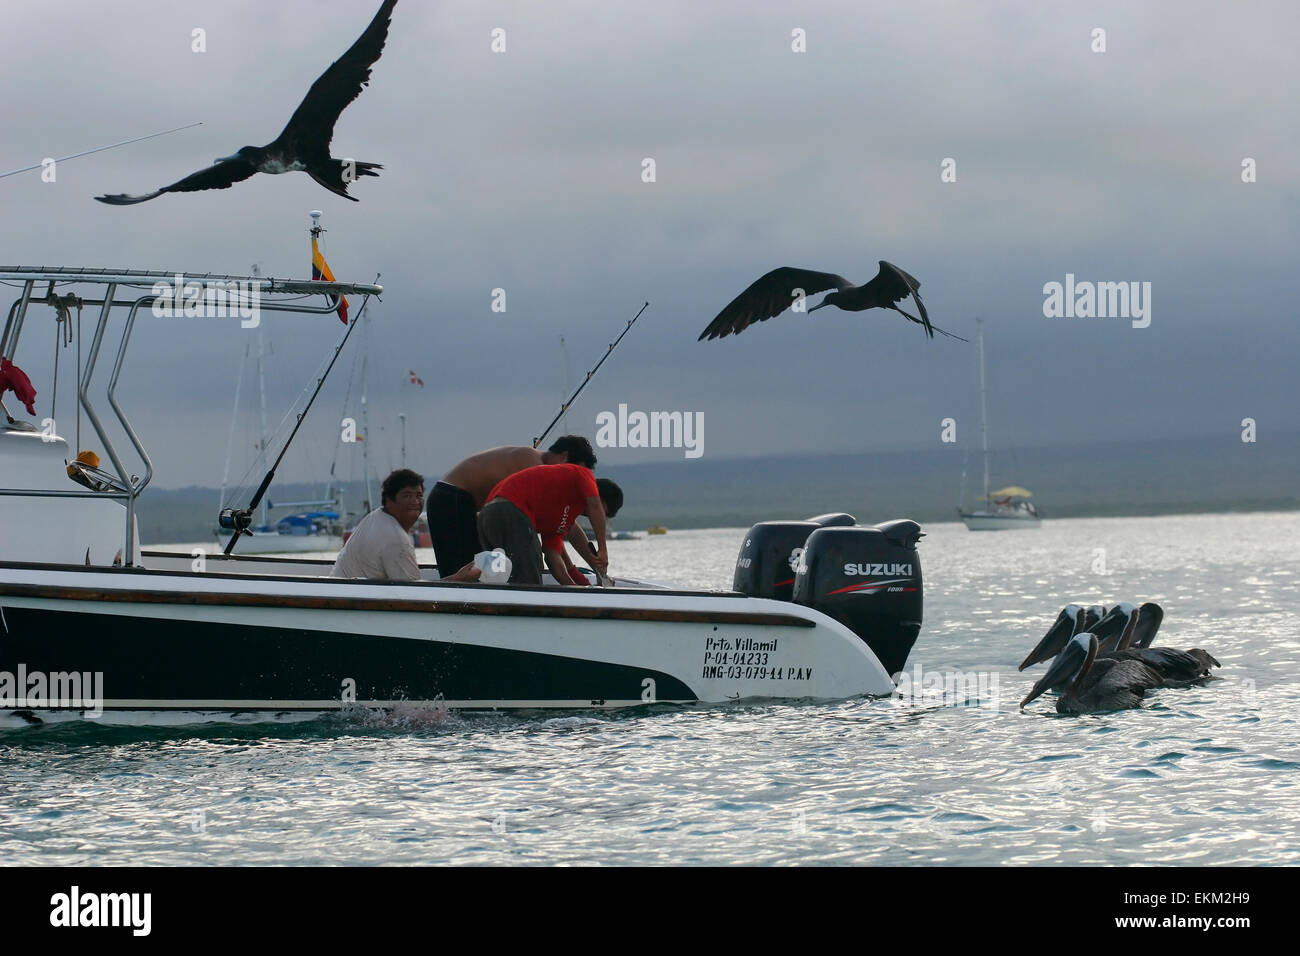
{"x": 304, "y": 144}
{"x": 775, "y": 292}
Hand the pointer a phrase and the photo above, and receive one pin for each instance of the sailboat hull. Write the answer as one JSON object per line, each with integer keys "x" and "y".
{"x": 988, "y": 521}
{"x": 273, "y": 543}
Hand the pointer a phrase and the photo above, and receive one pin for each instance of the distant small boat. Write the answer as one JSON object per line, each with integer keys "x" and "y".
{"x": 306, "y": 531}
{"x": 624, "y": 536}
{"x": 656, "y": 528}
{"x": 420, "y": 536}
{"x": 1007, "y": 509}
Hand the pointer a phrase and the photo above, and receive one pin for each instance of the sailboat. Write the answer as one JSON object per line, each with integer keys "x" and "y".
{"x": 1006, "y": 509}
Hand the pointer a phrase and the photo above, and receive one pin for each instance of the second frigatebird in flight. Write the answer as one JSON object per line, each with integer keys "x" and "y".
{"x": 772, "y": 294}
{"x": 304, "y": 144}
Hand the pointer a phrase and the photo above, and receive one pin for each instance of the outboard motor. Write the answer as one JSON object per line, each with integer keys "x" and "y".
{"x": 769, "y": 558}
{"x": 770, "y": 555}
{"x": 868, "y": 579}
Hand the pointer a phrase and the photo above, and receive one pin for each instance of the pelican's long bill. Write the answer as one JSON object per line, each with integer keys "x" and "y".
{"x": 1061, "y": 631}
{"x": 1116, "y": 628}
{"x": 1150, "y": 615}
{"x": 1077, "y": 657}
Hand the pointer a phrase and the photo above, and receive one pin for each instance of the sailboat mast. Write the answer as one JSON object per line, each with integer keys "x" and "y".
{"x": 402, "y": 416}
{"x": 365, "y": 415}
{"x": 564, "y": 354}
{"x": 230, "y": 442}
{"x": 261, "y": 384}
{"x": 984, "y": 412}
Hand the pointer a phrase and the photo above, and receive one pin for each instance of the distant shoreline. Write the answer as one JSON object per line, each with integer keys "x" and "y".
{"x": 1151, "y": 478}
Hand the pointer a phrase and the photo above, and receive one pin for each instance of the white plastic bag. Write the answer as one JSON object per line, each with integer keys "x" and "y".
{"x": 495, "y": 565}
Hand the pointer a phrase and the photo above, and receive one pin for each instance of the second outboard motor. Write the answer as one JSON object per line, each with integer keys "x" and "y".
{"x": 868, "y": 579}
{"x": 769, "y": 557}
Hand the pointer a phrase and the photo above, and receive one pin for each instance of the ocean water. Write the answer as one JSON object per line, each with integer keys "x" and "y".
{"x": 951, "y": 772}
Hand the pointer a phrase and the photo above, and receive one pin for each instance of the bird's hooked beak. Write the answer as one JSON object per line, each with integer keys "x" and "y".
{"x": 820, "y": 305}
{"x": 225, "y": 159}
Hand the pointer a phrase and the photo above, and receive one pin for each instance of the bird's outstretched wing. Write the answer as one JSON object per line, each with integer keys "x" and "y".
{"x": 310, "y": 129}
{"x": 890, "y": 286}
{"x": 770, "y": 295}
{"x": 217, "y": 176}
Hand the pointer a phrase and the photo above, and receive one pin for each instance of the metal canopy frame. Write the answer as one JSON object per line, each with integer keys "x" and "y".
{"x": 133, "y": 279}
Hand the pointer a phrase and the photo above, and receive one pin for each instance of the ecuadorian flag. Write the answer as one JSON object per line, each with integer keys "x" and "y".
{"x": 320, "y": 271}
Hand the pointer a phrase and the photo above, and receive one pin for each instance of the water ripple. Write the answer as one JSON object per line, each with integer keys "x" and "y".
{"x": 1205, "y": 775}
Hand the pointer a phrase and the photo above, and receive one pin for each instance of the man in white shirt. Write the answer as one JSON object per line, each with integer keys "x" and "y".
{"x": 380, "y": 547}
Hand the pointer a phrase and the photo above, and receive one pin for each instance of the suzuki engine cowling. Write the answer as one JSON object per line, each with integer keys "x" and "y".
{"x": 769, "y": 557}
{"x": 868, "y": 579}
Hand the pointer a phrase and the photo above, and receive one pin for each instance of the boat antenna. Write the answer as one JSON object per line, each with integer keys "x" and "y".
{"x": 100, "y": 149}
{"x": 608, "y": 352}
{"x": 238, "y": 519}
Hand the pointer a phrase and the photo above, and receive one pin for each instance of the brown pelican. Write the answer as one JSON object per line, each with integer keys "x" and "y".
{"x": 1098, "y": 684}
{"x": 304, "y": 144}
{"x": 773, "y": 293}
{"x": 1122, "y": 629}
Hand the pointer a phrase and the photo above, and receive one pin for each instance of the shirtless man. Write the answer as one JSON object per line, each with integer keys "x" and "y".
{"x": 455, "y": 501}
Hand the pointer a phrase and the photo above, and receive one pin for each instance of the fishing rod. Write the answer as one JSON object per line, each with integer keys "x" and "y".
{"x": 100, "y": 149}
{"x": 238, "y": 519}
{"x": 565, "y": 407}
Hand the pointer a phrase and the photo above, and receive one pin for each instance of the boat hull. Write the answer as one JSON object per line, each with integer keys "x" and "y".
{"x": 284, "y": 543}
{"x": 984, "y": 521}
{"x": 175, "y": 641}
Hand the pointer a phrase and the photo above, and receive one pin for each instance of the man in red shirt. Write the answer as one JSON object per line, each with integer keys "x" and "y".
{"x": 546, "y": 500}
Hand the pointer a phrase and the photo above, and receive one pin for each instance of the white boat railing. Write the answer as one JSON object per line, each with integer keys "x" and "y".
{"x": 272, "y": 295}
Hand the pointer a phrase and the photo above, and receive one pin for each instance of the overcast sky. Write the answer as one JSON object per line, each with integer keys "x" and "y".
{"x": 522, "y": 171}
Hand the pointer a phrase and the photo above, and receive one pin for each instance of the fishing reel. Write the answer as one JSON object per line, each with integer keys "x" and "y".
{"x": 236, "y": 520}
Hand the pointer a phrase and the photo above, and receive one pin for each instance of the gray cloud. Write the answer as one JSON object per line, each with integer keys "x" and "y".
{"x": 522, "y": 171}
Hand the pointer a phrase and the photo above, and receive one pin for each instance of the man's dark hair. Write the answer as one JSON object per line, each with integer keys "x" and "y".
{"x": 577, "y": 448}
{"x": 611, "y": 496}
{"x": 399, "y": 481}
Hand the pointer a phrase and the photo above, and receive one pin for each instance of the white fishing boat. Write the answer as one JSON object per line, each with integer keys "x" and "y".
{"x": 820, "y": 609}
{"x": 1006, "y": 509}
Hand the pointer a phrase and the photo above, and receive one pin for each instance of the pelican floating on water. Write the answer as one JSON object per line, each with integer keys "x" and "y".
{"x": 1127, "y": 632}
{"x": 304, "y": 144}
{"x": 1091, "y": 683}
